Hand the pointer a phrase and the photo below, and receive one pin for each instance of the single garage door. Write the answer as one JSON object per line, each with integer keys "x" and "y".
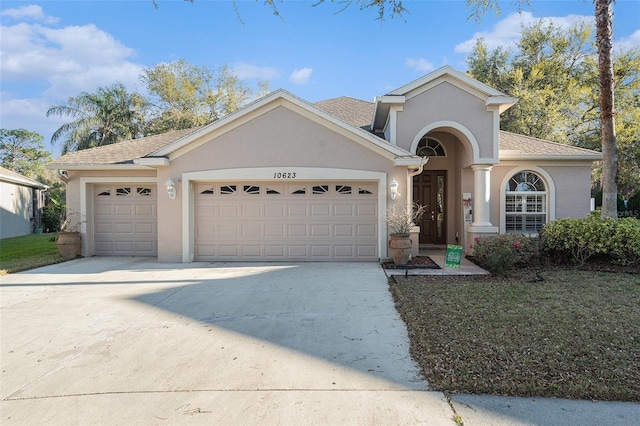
{"x": 314, "y": 221}
{"x": 125, "y": 221}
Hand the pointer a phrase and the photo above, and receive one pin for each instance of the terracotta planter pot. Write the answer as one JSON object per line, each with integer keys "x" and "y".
{"x": 69, "y": 244}
{"x": 400, "y": 248}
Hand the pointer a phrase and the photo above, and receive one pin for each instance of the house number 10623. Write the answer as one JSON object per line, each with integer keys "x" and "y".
{"x": 284, "y": 175}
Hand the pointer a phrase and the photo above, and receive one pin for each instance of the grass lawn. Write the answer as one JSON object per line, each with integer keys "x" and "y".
{"x": 27, "y": 252}
{"x": 574, "y": 334}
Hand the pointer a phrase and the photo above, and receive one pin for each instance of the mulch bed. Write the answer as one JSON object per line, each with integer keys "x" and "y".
{"x": 417, "y": 262}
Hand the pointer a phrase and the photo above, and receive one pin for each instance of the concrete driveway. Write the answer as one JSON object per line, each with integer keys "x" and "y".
{"x": 133, "y": 341}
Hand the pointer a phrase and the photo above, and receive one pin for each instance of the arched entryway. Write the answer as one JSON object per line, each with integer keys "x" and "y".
{"x": 430, "y": 191}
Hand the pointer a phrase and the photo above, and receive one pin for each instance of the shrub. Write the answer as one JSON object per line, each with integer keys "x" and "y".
{"x": 500, "y": 254}
{"x": 624, "y": 244}
{"x": 633, "y": 205}
{"x": 51, "y": 218}
{"x": 578, "y": 240}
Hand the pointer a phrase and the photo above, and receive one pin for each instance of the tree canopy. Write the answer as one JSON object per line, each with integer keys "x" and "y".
{"x": 554, "y": 73}
{"x": 23, "y": 152}
{"x": 182, "y": 95}
{"x": 109, "y": 115}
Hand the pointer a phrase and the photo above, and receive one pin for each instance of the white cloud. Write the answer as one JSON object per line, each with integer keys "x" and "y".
{"x": 507, "y": 31}
{"x": 419, "y": 64}
{"x": 627, "y": 43}
{"x": 246, "y": 71}
{"x": 32, "y": 11}
{"x": 300, "y": 76}
{"x": 41, "y": 64}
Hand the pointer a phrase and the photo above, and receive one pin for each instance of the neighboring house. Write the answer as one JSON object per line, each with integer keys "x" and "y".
{"x": 21, "y": 202}
{"x": 284, "y": 179}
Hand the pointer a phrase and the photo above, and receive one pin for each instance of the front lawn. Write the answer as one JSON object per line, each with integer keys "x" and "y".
{"x": 570, "y": 333}
{"x": 28, "y": 252}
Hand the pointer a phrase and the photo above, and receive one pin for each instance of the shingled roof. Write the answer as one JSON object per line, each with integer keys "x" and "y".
{"x": 7, "y": 175}
{"x": 513, "y": 145}
{"x": 120, "y": 153}
{"x": 350, "y": 110}
{"x": 355, "y": 112}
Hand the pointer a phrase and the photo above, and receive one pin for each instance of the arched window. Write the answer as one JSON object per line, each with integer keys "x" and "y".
{"x": 429, "y": 147}
{"x": 525, "y": 203}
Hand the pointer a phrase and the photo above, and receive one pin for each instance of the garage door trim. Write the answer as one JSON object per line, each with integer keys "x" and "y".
{"x": 273, "y": 174}
{"x": 86, "y": 203}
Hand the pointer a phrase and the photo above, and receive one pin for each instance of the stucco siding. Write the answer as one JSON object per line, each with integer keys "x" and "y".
{"x": 573, "y": 189}
{"x": 568, "y": 191}
{"x": 446, "y": 102}
{"x": 280, "y": 137}
{"x": 15, "y": 210}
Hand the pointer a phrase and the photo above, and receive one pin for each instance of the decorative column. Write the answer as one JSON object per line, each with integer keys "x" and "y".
{"x": 481, "y": 225}
{"x": 482, "y": 194}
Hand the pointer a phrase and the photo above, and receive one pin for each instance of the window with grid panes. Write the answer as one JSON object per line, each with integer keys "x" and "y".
{"x": 526, "y": 203}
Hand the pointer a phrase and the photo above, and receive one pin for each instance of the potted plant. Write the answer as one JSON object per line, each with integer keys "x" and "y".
{"x": 400, "y": 221}
{"x": 69, "y": 241}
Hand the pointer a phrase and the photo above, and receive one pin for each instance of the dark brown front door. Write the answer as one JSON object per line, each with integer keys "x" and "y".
{"x": 429, "y": 190}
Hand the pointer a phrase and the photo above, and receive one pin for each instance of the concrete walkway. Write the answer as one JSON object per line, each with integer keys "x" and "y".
{"x": 438, "y": 256}
{"x": 131, "y": 341}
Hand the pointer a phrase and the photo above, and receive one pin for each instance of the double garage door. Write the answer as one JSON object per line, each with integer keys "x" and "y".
{"x": 312, "y": 221}
{"x": 125, "y": 220}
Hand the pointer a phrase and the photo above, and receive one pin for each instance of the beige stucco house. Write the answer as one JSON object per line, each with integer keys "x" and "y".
{"x": 284, "y": 179}
{"x": 21, "y": 202}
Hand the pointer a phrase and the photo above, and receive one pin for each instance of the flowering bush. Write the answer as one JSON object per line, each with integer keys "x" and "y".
{"x": 500, "y": 254}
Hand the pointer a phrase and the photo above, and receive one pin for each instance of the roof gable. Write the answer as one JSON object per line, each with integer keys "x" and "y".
{"x": 281, "y": 98}
{"x": 7, "y": 175}
{"x": 494, "y": 99}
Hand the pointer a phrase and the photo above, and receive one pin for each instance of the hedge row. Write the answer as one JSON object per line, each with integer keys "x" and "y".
{"x": 578, "y": 240}
{"x": 563, "y": 241}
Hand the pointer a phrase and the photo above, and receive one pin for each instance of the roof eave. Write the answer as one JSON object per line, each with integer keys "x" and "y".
{"x": 550, "y": 157}
{"x": 80, "y": 166}
{"x": 152, "y": 161}
{"x": 410, "y": 161}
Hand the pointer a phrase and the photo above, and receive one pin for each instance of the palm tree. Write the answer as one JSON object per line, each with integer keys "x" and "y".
{"x": 604, "y": 43}
{"x": 109, "y": 115}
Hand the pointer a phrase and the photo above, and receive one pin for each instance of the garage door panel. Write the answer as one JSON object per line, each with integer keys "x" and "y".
{"x": 343, "y": 209}
{"x": 299, "y": 221}
{"x": 225, "y": 210}
{"x": 274, "y": 230}
{"x": 251, "y": 230}
{"x": 345, "y": 251}
{"x": 343, "y": 230}
{"x": 277, "y": 251}
{"x": 275, "y": 210}
{"x": 320, "y": 210}
{"x": 297, "y": 230}
{"x": 321, "y": 251}
{"x": 366, "y": 230}
{"x": 251, "y": 211}
{"x": 297, "y": 251}
{"x": 228, "y": 231}
{"x": 228, "y": 250}
{"x": 145, "y": 228}
{"x": 320, "y": 230}
{"x": 125, "y": 220}
{"x": 297, "y": 210}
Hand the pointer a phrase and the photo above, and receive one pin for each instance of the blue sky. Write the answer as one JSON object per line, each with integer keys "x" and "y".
{"x": 51, "y": 50}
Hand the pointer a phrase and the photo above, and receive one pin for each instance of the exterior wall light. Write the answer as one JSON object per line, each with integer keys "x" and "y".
{"x": 393, "y": 189}
{"x": 171, "y": 189}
